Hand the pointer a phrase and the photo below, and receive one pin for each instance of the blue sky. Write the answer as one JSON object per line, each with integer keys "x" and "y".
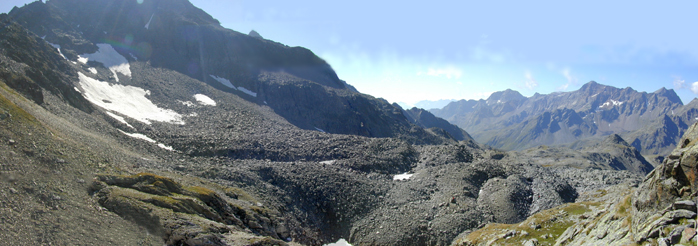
{"x": 408, "y": 51}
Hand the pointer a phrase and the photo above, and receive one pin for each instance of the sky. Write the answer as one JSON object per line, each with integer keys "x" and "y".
{"x": 409, "y": 51}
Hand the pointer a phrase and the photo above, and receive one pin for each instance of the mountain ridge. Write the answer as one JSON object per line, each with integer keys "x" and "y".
{"x": 593, "y": 110}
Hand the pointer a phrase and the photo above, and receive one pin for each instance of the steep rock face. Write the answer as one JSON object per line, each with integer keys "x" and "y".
{"x": 559, "y": 118}
{"x": 28, "y": 64}
{"x": 178, "y": 36}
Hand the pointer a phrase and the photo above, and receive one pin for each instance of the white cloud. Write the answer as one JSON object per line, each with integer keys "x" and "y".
{"x": 448, "y": 72}
{"x": 694, "y": 87}
{"x": 530, "y": 81}
{"x": 679, "y": 83}
{"x": 570, "y": 80}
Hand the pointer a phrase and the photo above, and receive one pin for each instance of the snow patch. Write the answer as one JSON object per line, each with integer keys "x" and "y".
{"x": 403, "y": 176}
{"x": 187, "y": 103}
{"x": 340, "y": 242}
{"x": 227, "y": 83}
{"x": 147, "y": 25}
{"x": 611, "y": 102}
{"x": 82, "y": 60}
{"x": 248, "y": 92}
{"x": 165, "y": 147}
{"x": 58, "y": 47}
{"x": 119, "y": 118}
{"x": 92, "y": 70}
{"x": 147, "y": 139}
{"x": 138, "y": 136}
{"x": 205, "y": 100}
{"x": 330, "y": 162}
{"x": 110, "y": 58}
{"x": 126, "y": 100}
{"x": 223, "y": 81}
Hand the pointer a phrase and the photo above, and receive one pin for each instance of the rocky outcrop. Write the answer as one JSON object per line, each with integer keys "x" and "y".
{"x": 613, "y": 153}
{"x": 427, "y": 120}
{"x": 28, "y": 64}
{"x": 188, "y": 215}
{"x": 660, "y": 210}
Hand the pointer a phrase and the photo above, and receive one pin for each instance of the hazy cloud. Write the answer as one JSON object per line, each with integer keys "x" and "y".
{"x": 448, "y": 72}
{"x": 530, "y": 81}
{"x": 570, "y": 80}
{"x": 679, "y": 83}
{"x": 694, "y": 87}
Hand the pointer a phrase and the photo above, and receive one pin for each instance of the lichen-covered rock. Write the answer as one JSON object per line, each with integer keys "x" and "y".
{"x": 184, "y": 215}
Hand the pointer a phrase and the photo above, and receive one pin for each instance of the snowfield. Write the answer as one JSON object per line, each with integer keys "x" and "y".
{"x": 126, "y": 100}
{"x": 110, "y": 58}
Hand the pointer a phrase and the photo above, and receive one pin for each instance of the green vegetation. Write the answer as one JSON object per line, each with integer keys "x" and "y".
{"x": 551, "y": 224}
{"x": 18, "y": 114}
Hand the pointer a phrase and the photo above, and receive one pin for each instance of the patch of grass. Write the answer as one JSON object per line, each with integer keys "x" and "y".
{"x": 553, "y": 223}
{"x": 237, "y": 193}
{"x": 624, "y": 207}
{"x": 18, "y": 114}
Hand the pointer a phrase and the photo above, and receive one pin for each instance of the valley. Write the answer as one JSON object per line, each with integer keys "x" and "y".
{"x": 127, "y": 123}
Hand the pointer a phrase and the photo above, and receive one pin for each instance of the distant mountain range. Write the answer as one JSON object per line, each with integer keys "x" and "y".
{"x": 427, "y": 104}
{"x": 650, "y": 122}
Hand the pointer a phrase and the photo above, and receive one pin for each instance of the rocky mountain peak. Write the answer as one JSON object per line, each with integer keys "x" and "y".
{"x": 507, "y": 95}
{"x": 592, "y": 86}
{"x": 670, "y": 94}
{"x": 616, "y": 139}
{"x": 255, "y": 34}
